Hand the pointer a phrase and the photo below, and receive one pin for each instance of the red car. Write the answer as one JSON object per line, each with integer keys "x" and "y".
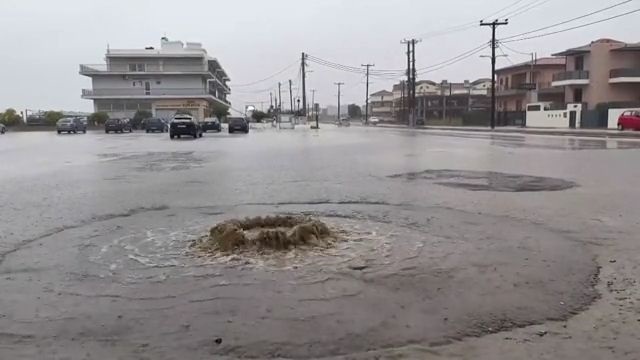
{"x": 629, "y": 119}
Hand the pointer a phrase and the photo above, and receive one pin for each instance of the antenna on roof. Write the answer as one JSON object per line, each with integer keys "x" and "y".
{"x": 107, "y": 48}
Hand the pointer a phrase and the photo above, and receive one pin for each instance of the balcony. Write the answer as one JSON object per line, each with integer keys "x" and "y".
{"x": 568, "y": 78}
{"x": 624, "y": 76}
{"x": 92, "y": 69}
{"x": 140, "y": 93}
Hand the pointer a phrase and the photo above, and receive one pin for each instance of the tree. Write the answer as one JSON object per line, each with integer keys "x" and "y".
{"x": 258, "y": 115}
{"x": 139, "y": 116}
{"x": 52, "y": 117}
{"x": 354, "y": 111}
{"x": 220, "y": 111}
{"x": 98, "y": 118}
{"x": 10, "y": 117}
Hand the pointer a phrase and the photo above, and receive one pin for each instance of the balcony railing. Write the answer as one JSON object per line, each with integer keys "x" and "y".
{"x": 146, "y": 68}
{"x": 624, "y": 73}
{"x": 143, "y": 92}
{"x": 571, "y": 75}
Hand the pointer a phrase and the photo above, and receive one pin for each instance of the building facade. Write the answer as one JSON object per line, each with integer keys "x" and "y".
{"x": 442, "y": 100}
{"x": 604, "y": 71}
{"x": 529, "y": 82}
{"x": 381, "y": 105}
{"x": 176, "y": 77}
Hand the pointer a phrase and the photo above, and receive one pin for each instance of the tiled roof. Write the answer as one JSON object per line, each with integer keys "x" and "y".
{"x": 546, "y": 61}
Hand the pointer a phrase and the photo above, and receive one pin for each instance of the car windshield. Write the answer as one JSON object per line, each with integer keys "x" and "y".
{"x": 320, "y": 179}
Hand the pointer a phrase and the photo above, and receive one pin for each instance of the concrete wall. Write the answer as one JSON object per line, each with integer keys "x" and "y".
{"x": 552, "y": 118}
{"x": 614, "y": 114}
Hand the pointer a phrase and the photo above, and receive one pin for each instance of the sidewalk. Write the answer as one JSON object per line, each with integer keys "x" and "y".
{"x": 599, "y": 133}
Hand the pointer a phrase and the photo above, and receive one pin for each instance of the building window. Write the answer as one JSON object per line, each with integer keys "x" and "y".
{"x": 158, "y": 82}
{"x": 518, "y": 105}
{"x": 579, "y": 63}
{"x": 577, "y": 95}
{"x": 137, "y": 67}
{"x": 534, "y": 108}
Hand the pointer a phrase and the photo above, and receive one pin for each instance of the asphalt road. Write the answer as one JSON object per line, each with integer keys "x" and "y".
{"x": 454, "y": 235}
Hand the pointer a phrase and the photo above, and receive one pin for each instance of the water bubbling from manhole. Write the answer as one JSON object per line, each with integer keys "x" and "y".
{"x": 280, "y": 232}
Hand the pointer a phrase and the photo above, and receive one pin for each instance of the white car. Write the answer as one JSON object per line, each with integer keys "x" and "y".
{"x": 374, "y": 121}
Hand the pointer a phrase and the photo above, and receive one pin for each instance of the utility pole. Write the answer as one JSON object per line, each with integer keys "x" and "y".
{"x": 411, "y": 80}
{"x": 279, "y": 97}
{"x": 271, "y": 99}
{"x": 366, "y": 106}
{"x": 494, "y": 24}
{"x": 339, "y": 85}
{"x": 313, "y": 106}
{"x": 402, "y": 99}
{"x": 290, "y": 95}
{"x": 304, "y": 85}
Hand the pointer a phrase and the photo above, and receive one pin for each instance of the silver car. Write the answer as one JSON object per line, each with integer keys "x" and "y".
{"x": 3, "y": 129}
{"x": 71, "y": 125}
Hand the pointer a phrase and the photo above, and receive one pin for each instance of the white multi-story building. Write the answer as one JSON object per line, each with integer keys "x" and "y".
{"x": 176, "y": 77}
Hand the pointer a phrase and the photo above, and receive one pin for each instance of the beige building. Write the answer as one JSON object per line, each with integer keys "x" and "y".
{"x": 603, "y": 71}
{"x": 381, "y": 105}
{"x": 529, "y": 82}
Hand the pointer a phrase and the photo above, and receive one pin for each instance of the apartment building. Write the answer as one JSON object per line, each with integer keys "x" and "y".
{"x": 441, "y": 100}
{"x": 529, "y": 82}
{"x": 175, "y": 77}
{"x": 604, "y": 71}
{"x": 381, "y": 105}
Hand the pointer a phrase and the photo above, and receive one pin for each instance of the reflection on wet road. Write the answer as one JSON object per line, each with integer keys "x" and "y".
{"x": 446, "y": 237}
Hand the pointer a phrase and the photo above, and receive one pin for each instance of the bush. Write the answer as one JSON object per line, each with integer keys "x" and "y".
{"x": 52, "y": 117}
{"x": 10, "y": 117}
{"x": 98, "y": 118}
{"x": 258, "y": 116}
{"x": 219, "y": 111}
{"x": 139, "y": 116}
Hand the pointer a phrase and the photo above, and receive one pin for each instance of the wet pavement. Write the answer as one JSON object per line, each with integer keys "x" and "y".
{"x": 447, "y": 236}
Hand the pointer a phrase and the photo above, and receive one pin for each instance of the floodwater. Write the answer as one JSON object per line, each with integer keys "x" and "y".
{"x": 446, "y": 237}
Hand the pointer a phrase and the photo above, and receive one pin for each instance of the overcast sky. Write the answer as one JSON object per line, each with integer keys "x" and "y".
{"x": 44, "y": 41}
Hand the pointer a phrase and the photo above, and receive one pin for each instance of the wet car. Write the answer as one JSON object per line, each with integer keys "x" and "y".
{"x": 71, "y": 125}
{"x": 3, "y": 129}
{"x": 212, "y": 124}
{"x": 344, "y": 122}
{"x": 374, "y": 121}
{"x": 156, "y": 125}
{"x": 117, "y": 126}
{"x": 629, "y": 120}
{"x": 238, "y": 124}
{"x": 185, "y": 125}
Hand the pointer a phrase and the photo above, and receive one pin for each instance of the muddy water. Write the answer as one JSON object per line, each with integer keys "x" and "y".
{"x": 403, "y": 274}
{"x": 95, "y": 256}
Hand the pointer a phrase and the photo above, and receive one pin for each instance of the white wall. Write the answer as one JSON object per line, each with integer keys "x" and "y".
{"x": 614, "y": 114}
{"x": 166, "y": 82}
{"x": 552, "y": 118}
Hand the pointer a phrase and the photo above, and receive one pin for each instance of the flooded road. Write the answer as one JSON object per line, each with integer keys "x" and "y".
{"x": 448, "y": 236}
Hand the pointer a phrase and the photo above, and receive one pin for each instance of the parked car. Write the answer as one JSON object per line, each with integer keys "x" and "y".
{"x": 374, "y": 121}
{"x": 71, "y": 125}
{"x": 3, "y": 129}
{"x": 629, "y": 119}
{"x": 185, "y": 125}
{"x": 211, "y": 124}
{"x": 155, "y": 124}
{"x": 238, "y": 124}
{"x": 117, "y": 125}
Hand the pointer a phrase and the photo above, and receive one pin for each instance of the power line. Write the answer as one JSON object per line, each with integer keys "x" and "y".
{"x": 452, "y": 60}
{"x": 574, "y": 27}
{"x": 505, "y": 55}
{"x": 568, "y": 21}
{"x": 267, "y": 78}
{"x": 514, "y": 50}
{"x": 525, "y": 8}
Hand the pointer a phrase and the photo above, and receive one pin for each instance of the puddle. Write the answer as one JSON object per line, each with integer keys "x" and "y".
{"x": 488, "y": 180}
{"x": 157, "y": 161}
